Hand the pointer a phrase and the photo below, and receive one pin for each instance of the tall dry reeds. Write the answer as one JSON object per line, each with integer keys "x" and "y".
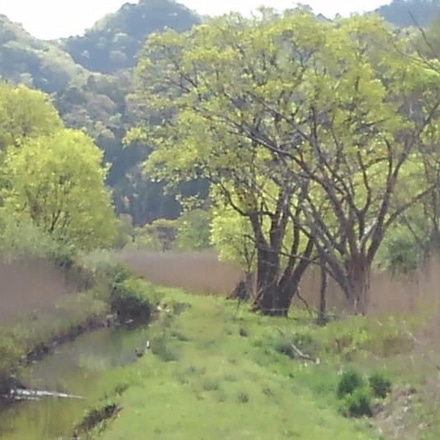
{"x": 27, "y": 285}
{"x": 201, "y": 272}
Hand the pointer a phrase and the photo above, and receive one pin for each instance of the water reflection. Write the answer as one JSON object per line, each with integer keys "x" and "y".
{"x": 72, "y": 369}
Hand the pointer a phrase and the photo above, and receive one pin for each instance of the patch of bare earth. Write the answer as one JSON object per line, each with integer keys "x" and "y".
{"x": 395, "y": 418}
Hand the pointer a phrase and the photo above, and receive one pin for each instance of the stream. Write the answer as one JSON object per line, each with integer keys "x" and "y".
{"x": 71, "y": 370}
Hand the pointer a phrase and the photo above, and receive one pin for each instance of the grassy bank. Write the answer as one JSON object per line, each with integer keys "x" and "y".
{"x": 215, "y": 373}
{"x": 114, "y": 296}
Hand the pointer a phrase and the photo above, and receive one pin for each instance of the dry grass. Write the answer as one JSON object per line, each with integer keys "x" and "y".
{"x": 26, "y": 286}
{"x": 201, "y": 272}
{"x": 198, "y": 272}
{"x": 389, "y": 294}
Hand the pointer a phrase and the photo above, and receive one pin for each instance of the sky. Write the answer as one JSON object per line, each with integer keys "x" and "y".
{"x": 62, "y": 18}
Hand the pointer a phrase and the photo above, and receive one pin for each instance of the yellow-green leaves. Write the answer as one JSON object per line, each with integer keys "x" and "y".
{"x": 307, "y": 130}
{"x": 25, "y": 113}
{"x": 57, "y": 181}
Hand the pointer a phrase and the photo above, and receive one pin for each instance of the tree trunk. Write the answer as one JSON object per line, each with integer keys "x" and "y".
{"x": 275, "y": 301}
{"x": 275, "y": 294}
{"x": 322, "y": 313}
{"x": 359, "y": 273}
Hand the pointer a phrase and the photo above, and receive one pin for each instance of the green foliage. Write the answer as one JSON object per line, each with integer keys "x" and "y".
{"x": 304, "y": 341}
{"x": 103, "y": 267}
{"x": 57, "y": 181}
{"x": 193, "y": 230}
{"x": 23, "y": 239}
{"x": 125, "y": 232}
{"x": 247, "y": 129}
{"x": 159, "y": 236}
{"x": 133, "y": 300}
{"x": 401, "y": 252}
{"x": 215, "y": 371}
{"x": 349, "y": 382}
{"x": 358, "y": 403}
{"x": 24, "y": 114}
{"x": 356, "y": 398}
{"x": 357, "y": 394}
{"x": 97, "y": 417}
{"x": 114, "y": 41}
{"x": 380, "y": 385}
{"x": 231, "y": 236}
{"x": 36, "y": 63}
{"x": 164, "y": 349}
{"x": 350, "y": 338}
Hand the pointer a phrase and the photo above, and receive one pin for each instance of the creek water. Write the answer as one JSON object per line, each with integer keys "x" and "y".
{"x": 72, "y": 369}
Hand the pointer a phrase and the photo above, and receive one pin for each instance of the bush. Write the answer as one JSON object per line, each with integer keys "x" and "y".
{"x": 104, "y": 267}
{"x": 351, "y": 380}
{"x": 357, "y": 394}
{"x": 20, "y": 238}
{"x": 132, "y": 300}
{"x": 380, "y": 385}
{"x": 358, "y": 404}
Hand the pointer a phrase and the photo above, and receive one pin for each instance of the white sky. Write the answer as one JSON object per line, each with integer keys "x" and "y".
{"x": 61, "y": 18}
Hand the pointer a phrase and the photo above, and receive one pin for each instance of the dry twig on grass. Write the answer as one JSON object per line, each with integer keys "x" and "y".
{"x": 298, "y": 352}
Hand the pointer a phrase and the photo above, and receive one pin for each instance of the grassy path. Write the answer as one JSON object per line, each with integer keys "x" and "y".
{"x": 212, "y": 376}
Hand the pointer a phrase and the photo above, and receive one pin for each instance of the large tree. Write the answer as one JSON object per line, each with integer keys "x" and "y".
{"x": 319, "y": 134}
{"x": 57, "y": 181}
{"x": 207, "y": 105}
{"x": 25, "y": 113}
{"x": 366, "y": 143}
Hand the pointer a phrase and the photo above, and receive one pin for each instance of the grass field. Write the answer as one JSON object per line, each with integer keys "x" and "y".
{"x": 215, "y": 376}
{"x": 215, "y": 372}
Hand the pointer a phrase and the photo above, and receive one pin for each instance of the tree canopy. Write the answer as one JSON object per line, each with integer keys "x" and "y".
{"x": 25, "y": 113}
{"x": 319, "y": 134}
{"x": 57, "y": 181}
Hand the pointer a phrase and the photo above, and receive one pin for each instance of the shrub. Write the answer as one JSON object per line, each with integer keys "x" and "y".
{"x": 103, "y": 266}
{"x": 380, "y": 385}
{"x": 357, "y": 394}
{"x": 132, "y": 300}
{"x": 358, "y": 403}
{"x": 350, "y": 381}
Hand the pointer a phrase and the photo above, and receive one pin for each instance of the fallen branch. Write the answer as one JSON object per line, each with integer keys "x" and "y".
{"x": 298, "y": 352}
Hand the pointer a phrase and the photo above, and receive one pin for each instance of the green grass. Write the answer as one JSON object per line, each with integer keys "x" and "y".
{"x": 215, "y": 375}
{"x": 37, "y": 331}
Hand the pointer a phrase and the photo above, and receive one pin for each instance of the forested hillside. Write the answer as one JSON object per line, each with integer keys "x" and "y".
{"x": 113, "y": 42}
{"x": 410, "y": 12}
{"x": 90, "y": 79}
